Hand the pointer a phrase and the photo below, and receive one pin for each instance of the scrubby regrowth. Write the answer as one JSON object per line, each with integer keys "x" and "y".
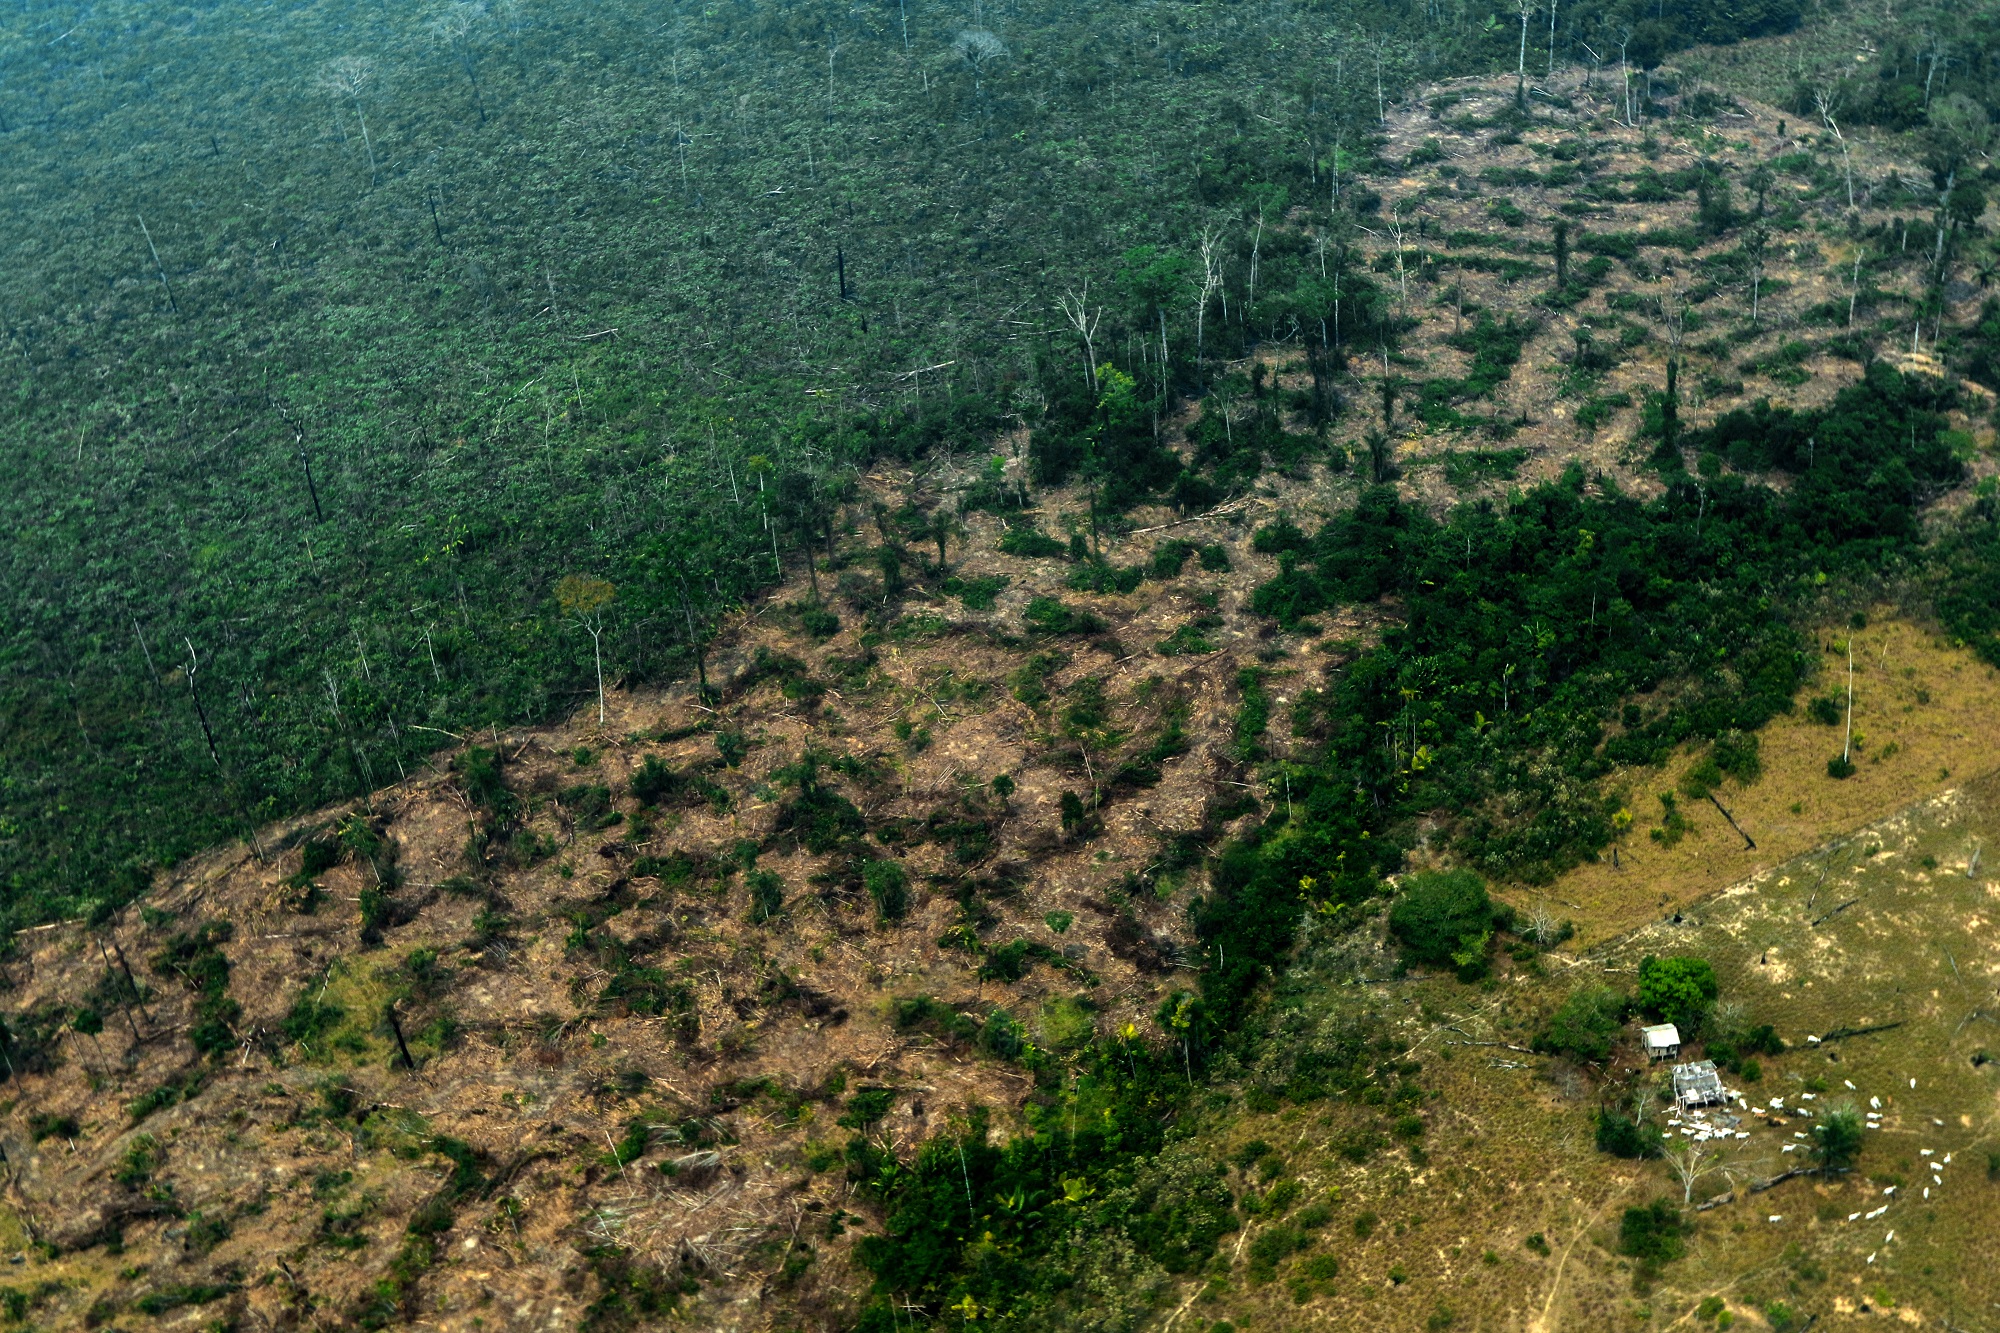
{"x": 1163, "y": 815}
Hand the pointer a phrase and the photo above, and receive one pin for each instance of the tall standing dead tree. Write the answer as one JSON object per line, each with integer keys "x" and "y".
{"x": 348, "y": 77}
{"x": 456, "y": 26}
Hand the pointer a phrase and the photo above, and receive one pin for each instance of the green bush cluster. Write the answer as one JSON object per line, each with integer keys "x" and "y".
{"x": 195, "y": 959}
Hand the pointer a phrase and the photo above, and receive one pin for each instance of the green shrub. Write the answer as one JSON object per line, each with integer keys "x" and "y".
{"x": 44, "y": 1125}
{"x": 1677, "y": 990}
{"x": 1586, "y": 1026}
{"x": 173, "y": 1298}
{"x": 1099, "y": 576}
{"x": 1269, "y": 1246}
{"x": 767, "y": 895}
{"x": 311, "y": 1018}
{"x": 1191, "y": 639}
{"x": 1012, "y": 961}
{"x": 1737, "y": 754}
{"x": 1048, "y": 615}
{"x": 1026, "y": 541}
{"x": 1836, "y": 1138}
{"x": 1622, "y": 1136}
{"x": 196, "y": 958}
{"x": 177, "y": 1089}
{"x": 889, "y": 885}
{"x": 1444, "y": 918}
{"x": 867, "y": 1107}
{"x": 1733, "y": 1049}
{"x": 142, "y": 1157}
{"x": 654, "y": 781}
{"x": 317, "y": 856}
{"x": 205, "y": 1232}
{"x": 978, "y": 594}
{"x": 1653, "y": 1234}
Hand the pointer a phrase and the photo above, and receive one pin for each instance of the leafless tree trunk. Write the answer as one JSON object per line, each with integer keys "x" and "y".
{"x": 1211, "y": 280}
{"x": 1847, "y": 744}
{"x": 348, "y": 77}
{"x": 1521, "y": 67}
{"x": 1075, "y": 308}
{"x": 1825, "y": 98}
{"x": 1938, "y": 52}
{"x": 160, "y": 268}
{"x": 201, "y": 713}
{"x": 1256, "y": 250}
{"x": 1691, "y": 1160}
{"x": 1625, "y": 74}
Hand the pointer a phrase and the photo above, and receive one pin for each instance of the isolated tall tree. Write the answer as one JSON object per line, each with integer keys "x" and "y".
{"x": 587, "y": 601}
{"x": 348, "y": 78}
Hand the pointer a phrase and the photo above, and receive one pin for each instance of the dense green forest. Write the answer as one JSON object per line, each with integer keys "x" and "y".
{"x": 338, "y": 334}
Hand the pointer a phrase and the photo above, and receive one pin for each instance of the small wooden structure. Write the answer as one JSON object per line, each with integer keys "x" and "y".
{"x": 1698, "y": 1084}
{"x": 1662, "y": 1041}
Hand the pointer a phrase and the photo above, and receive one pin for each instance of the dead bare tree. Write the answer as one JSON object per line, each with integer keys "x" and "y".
{"x": 1826, "y": 98}
{"x": 1395, "y": 224}
{"x": 455, "y": 26}
{"x": 348, "y": 77}
{"x": 1076, "y": 309}
{"x": 978, "y": 48}
{"x": 1937, "y": 51}
{"x": 1690, "y": 1160}
{"x": 1847, "y": 742}
{"x": 1521, "y": 69}
{"x": 1211, "y": 282}
{"x": 194, "y": 693}
{"x": 1625, "y": 72}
